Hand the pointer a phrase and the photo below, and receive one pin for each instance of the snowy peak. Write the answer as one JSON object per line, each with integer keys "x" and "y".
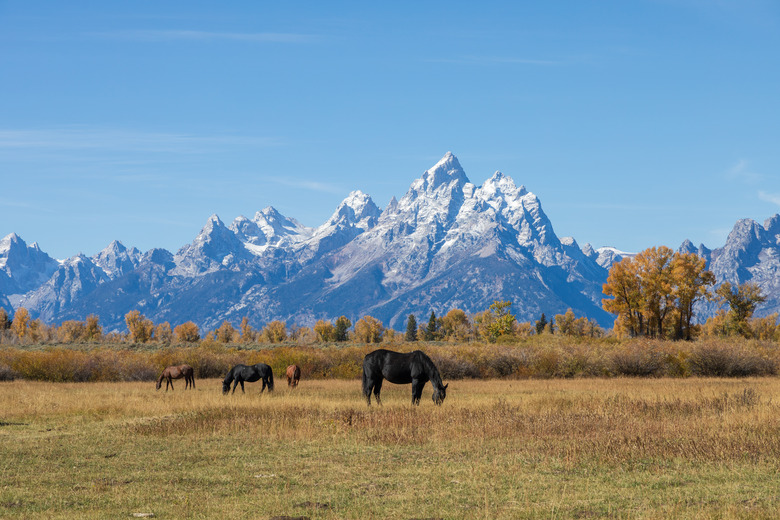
{"x": 23, "y": 267}
{"x": 357, "y": 208}
{"x": 117, "y": 260}
{"x": 772, "y": 227}
{"x": 215, "y": 246}
{"x": 273, "y": 228}
{"x": 446, "y": 173}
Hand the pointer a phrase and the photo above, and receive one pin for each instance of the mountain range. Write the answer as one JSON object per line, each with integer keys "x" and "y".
{"x": 445, "y": 244}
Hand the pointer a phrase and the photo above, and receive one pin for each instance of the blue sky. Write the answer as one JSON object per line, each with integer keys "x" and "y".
{"x": 636, "y": 123}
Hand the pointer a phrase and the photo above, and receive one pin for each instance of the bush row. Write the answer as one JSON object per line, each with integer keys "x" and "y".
{"x": 551, "y": 358}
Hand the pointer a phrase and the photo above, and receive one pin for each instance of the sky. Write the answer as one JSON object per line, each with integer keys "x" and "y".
{"x": 637, "y": 124}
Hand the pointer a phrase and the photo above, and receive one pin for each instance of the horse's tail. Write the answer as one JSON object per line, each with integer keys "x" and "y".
{"x": 270, "y": 380}
{"x": 366, "y": 389}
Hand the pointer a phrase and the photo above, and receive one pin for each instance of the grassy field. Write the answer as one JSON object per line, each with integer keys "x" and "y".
{"x": 583, "y": 448}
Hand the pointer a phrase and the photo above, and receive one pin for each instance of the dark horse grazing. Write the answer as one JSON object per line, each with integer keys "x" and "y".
{"x": 401, "y": 369}
{"x": 250, "y": 374}
{"x": 177, "y": 372}
{"x": 293, "y": 375}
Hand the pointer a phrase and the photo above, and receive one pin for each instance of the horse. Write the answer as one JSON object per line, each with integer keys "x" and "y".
{"x": 415, "y": 367}
{"x": 250, "y": 374}
{"x": 293, "y": 375}
{"x": 177, "y": 372}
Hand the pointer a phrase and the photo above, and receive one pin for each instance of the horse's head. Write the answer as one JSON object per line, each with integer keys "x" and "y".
{"x": 439, "y": 394}
{"x": 225, "y": 387}
{"x": 159, "y": 384}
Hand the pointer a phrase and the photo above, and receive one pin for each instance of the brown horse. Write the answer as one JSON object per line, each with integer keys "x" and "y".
{"x": 177, "y": 372}
{"x": 293, "y": 375}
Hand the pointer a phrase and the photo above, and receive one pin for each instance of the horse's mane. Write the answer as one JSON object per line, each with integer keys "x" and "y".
{"x": 229, "y": 377}
{"x": 430, "y": 369}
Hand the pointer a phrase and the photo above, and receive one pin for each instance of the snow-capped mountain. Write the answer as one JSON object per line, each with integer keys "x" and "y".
{"x": 751, "y": 254}
{"x": 22, "y": 268}
{"x": 446, "y": 243}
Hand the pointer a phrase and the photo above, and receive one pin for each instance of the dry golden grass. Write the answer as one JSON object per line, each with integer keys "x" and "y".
{"x": 583, "y": 448}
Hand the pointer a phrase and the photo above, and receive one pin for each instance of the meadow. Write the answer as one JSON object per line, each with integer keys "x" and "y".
{"x": 499, "y": 448}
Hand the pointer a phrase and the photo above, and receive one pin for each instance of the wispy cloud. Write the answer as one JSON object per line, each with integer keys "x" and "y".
{"x": 742, "y": 172}
{"x": 143, "y": 35}
{"x": 774, "y": 198}
{"x": 83, "y": 138}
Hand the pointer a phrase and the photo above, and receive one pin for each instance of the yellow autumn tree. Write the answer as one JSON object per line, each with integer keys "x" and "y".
{"x": 187, "y": 332}
{"x": 226, "y": 333}
{"x": 654, "y": 293}
{"x": 93, "y": 331}
{"x": 140, "y": 328}
{"x": 20, "y": 323}
{"x": 163, "y": 333}
{"x": 248, "y": 334}
{"x": 274, "y": 332}
{"x": 692, "y": 283}
{"x": 325, "y": 331}
{"x": 455, "y": 325}
{"x": 369, "y": 330}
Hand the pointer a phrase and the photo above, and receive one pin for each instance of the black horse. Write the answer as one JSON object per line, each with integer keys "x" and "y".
{"x": 250, "y": 374}
{"x": 401, "y": 369}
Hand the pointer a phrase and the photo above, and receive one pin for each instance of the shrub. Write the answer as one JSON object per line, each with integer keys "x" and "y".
{"x": 729, "y": 360}
{"x": 7, "y": 373}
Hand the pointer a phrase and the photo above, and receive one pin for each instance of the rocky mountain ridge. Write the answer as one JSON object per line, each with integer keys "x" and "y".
{"x": 445, "y": 244}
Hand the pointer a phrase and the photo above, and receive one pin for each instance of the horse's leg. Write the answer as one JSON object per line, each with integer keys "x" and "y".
{"x": 417, "y": 388}
{"x": 377, "y": 389}
{"x": 242, "y": 386}
{"x": 263, "y": 388}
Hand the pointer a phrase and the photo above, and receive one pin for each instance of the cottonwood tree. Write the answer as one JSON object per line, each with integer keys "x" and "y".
{"x": 692, "y": 283}
{"x": 325, "y": 331}
{"x": 742, "y": 302}
{"x": 5, "y": 321}
{"x": 368, "y": 330}
{"x": 569, "y": 325}
{"x": 20, "y": 322}
{"x": 140, "y": 328}
{"x": 226, "y": 333}
{"x": 71, "y": 331}
{"x": 93, "y": 331}
{"x": 274, "y": 332}
{"x": 248, "y": 334}
{"x": 654, "y": 293}
{"x": 456, "y": 325}
{"x": 163, "y": 333}
{"x": 187, "y": 332}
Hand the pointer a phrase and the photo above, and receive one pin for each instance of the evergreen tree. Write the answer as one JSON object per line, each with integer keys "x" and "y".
{"x": 432, "y": 328}
{"x": 541, "y": 324}
{"x": 342, "y": 326}
{"x": 411, "y": 328}
{"x": 5, "y": 321}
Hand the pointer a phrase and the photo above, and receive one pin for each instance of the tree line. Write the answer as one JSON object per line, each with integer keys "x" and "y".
{"x": 497, "y": 323}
